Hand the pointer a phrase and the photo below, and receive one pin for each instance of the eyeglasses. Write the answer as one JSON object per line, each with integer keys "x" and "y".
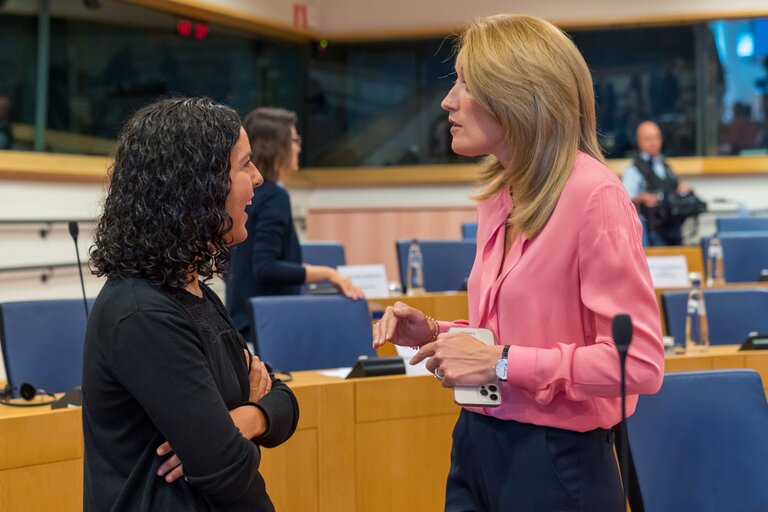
{"x": 296, "y": 140}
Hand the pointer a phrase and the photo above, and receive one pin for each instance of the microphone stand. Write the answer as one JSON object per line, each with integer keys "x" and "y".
{"x": 74, "y": 230}
{"x": 622, "y": 336}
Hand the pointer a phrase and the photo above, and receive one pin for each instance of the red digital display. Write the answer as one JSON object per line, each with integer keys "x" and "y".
{"x": 184, "y": 28}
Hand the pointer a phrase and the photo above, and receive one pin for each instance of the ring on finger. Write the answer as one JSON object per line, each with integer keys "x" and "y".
{"x": 438, "y": 374}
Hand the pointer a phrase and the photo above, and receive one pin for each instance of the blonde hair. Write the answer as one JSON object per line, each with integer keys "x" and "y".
{"x": 533, "y": 81}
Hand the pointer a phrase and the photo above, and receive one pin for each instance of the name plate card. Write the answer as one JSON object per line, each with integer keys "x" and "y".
{"x": 372, "y": 279}
{"x": 669, "y": 271}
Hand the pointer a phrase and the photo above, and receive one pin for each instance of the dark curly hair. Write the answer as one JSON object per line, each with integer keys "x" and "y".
{"x": 164, "y": 216}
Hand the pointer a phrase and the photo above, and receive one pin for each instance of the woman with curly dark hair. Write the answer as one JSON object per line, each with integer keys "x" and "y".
{"x": 270, "y": 263}
{"x": 169, "y": 388}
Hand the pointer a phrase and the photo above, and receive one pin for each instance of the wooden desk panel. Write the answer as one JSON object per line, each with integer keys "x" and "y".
{"x": 54, "y": 487}
{"x": 391, "y": 398}
{"x": 366, "y": 445}
{"x": 322, "y": 446}
{"x": 443, "y": 306}
{"x": 41, "y": 459}
{"x": 402, "y": 464}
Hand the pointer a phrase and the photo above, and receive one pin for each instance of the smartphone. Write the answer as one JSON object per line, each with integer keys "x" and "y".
{"x": 487, "y": 395}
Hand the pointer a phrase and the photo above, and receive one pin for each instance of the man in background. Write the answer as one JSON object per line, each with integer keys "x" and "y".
{"x": 648, "y": 181}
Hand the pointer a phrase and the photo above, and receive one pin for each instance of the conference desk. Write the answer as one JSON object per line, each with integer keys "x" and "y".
{"x": 440, "y": 305}
{"x": 367, "y": 445}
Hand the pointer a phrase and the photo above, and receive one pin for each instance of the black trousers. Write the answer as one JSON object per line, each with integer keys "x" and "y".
{"x": 506, "y": 466}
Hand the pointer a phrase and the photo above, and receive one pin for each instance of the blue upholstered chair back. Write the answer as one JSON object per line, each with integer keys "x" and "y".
{"x": 447, "y": 263}
{"x": 42, "y": 343}
{"x": 731, "y": 314}
{"x": 329, "y": 254}
{"x": 308, "y": 333}
{"x": 469, "y": 231}
{"x": 326, "y": 253}
{"x": 700, "y": 443}
{"x": 726, "y": 224}
{"x": 745, "y": 254}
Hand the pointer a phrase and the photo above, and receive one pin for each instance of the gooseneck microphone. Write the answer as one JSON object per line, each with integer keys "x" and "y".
{"x": 74, "y": 230}
{"x": 622, "y": 335}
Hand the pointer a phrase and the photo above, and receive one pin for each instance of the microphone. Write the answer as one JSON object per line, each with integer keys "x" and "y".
{"x": 74, "y": 230}
{"x": 621, "y": 329}
{"x": 622, "y": 334}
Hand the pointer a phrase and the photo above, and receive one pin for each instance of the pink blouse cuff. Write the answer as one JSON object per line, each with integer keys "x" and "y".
{"x": 521, "y": 366}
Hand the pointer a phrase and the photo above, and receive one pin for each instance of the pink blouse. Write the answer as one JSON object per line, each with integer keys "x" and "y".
{"x": 554, "y": 300}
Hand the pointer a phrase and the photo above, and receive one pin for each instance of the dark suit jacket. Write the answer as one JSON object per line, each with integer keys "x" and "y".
{"x": 269, "y": 261}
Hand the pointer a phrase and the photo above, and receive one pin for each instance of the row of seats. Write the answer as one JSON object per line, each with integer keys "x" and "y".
{"x": 42, "y": 341}
{"x": 744, "y": 241}
{"x": 446, "y": 263}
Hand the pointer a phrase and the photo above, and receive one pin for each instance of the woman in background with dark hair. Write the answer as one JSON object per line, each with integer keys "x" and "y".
{"x": 270, "y": 263}
{"x": 169, "y": 389}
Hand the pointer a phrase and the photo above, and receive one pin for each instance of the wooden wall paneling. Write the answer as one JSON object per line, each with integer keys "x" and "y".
{"x": 369, "y": 234}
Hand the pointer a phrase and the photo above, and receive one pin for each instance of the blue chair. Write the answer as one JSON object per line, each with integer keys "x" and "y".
{"x": 308, "y": 333}
{"x": 731, "y": 314}
{"x": 42, "y": 343}
{"x": 447, "y": 263}
{"x": 326, "y": 253}
{"x": 700, "y": 444}
{"x": 745, "y": 254}
{"x": 726, "y": 224}
{"x": 329, "y": 254}
{"x": 469, "y": 231}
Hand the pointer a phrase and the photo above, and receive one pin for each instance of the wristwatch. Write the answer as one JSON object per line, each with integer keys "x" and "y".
{"x": 501, "y": 365}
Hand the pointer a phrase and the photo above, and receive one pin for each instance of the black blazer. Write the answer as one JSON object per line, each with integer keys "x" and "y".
{"x": 269, "y": 261}
{"x": 152, "y": 373}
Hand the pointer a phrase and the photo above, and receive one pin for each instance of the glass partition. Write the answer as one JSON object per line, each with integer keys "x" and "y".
{"x": 365, "y": 103}
{"x": 107, "y": 62}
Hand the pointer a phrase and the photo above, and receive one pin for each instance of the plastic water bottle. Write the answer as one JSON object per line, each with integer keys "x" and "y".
{"x": 415, "y": 270}
{"x": 696, "y": 326}
{"x": 715, "y": 262}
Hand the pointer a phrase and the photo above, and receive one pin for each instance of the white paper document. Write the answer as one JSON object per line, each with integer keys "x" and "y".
{"x": 371, "y": 279}
{"x": 668, "y": 271}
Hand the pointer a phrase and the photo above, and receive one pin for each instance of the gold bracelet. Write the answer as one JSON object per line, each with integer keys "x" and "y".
{"x": 433, "y": 326}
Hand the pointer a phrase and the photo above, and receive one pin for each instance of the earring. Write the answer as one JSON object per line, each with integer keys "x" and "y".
{"x": 213, "y": 262}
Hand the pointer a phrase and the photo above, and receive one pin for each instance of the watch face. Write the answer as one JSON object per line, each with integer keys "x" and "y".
{"x": 501, "y": 369}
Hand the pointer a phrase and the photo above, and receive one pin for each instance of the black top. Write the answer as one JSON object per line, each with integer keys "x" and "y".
{"x": 653, "y": 183}
{"x": 165, "y": 365}
{"x": 269, "y": 262}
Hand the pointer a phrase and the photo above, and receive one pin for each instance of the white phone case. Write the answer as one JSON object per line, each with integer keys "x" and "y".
{"x": 488, "y": 395}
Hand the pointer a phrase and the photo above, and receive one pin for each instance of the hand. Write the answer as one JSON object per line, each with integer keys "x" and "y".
{"x": 171, "y": 469}
{"x": 258, "y": 378}
{"x": 402, "y": 325}
{"x": 249, "y": 420}
{"x": 683, "y": 188}
{"x": 346, "y": 286}
{"x": 463, "y": 360}
{"x": 647, "y": 199}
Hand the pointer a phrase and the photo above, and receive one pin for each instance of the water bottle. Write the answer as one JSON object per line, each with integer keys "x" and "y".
{"x": 715, "y": 262}
{"x": 415, "y": 270}
{"x": 696, "y": 326}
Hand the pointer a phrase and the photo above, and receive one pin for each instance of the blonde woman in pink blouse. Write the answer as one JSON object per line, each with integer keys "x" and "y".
{"x": 559, "y": 254}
